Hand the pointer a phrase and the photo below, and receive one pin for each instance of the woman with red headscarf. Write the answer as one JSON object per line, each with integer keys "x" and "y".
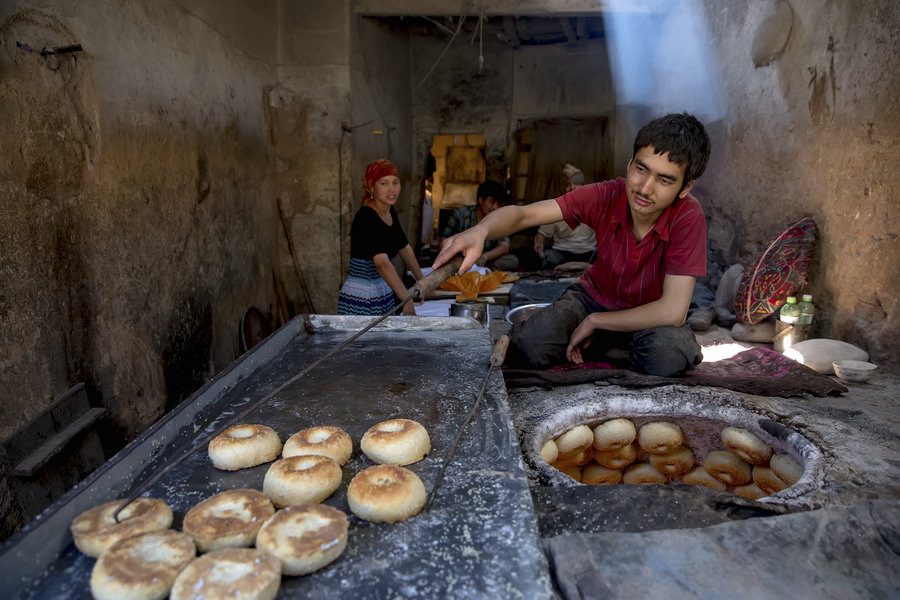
{"x": 373, "y": 286}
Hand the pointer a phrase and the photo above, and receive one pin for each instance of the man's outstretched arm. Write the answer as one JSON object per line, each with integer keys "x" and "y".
{"x": 500, "y": 223}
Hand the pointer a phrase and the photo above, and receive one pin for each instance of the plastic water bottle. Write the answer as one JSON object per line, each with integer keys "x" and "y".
{"x": 807, "y": 310}
{"x": 790, "y": 311}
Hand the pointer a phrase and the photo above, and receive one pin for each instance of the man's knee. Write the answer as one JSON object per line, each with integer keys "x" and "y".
{"x": 665, "y": 351}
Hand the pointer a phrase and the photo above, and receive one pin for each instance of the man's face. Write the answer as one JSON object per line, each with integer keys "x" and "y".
{"x": 653, "y": 183}
{"x": 489, "y": 205}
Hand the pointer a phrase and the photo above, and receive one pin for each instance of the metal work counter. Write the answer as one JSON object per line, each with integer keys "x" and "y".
{"x": 480, "y": 536}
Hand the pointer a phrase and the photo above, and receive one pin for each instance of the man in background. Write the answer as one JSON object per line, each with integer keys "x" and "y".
{"x": 568, "y": 245}
{"x": 491, "y": 195}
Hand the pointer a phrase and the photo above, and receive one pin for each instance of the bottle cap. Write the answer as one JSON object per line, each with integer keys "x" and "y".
{"x": 792, "y": 300}
{"x": 807, "y": 297}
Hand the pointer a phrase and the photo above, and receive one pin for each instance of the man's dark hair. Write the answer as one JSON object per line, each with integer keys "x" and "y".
{"x": 682, "y": 137}
{"x": 493, "y": 189}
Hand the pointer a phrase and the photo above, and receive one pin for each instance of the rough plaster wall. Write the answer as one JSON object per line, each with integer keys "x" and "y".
{"x": 381, "y": 116}
{"x": 458, "y": 98}
{"x": 816, "y": 133}
{"x": 133, "y": 236}
{"x": 309, "y": 105}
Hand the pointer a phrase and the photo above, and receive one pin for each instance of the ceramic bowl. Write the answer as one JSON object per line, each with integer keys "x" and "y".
{"x": 853, "y": 371}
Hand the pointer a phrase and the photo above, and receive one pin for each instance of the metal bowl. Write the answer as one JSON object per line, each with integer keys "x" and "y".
{"x": 520, "y": 313}
{"x": 475, "y": 310}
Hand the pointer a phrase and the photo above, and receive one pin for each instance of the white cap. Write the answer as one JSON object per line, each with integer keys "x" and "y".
{"x": 573, "y": 174}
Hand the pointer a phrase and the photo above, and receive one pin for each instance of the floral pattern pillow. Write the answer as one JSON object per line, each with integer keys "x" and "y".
{"x": 780, "y": 271}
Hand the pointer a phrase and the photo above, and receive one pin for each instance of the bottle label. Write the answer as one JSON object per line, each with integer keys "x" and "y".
{"x": 789, "y": 319}
{"x": 805, "y": 319}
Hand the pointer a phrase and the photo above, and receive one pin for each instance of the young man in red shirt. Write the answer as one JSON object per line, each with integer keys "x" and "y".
{"x": 651, "y": 247}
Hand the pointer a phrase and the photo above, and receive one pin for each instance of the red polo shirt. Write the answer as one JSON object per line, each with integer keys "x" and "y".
{"x": 629, "y": 273}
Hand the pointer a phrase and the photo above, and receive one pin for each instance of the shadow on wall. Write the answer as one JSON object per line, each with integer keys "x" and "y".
{"x": 186, "y": 354}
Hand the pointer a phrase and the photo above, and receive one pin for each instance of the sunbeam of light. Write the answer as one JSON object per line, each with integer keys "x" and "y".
{"x": 662, "y": 57}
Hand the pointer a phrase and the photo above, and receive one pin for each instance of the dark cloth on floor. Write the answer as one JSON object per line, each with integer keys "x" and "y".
{"x": 759, "y": 371}
{"x": 541, "y": 339}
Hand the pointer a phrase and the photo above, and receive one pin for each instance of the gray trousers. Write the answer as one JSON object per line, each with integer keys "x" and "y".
{"x": 542, "y": 338}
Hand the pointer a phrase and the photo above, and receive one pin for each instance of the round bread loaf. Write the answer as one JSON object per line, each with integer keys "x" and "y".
{"x": 396, "y": 442}
{"x": 245, "y": 573}
{"x": 613, "y": 434}
{"x": 786, "y": 468}
{"x": 674, "y": 464}
{"x": 386, "y": 494}
{"x": 699, "y": 476}
{"x": 304, "y": 479}
{"x": 572, "y": 471}
{"x": 643, "y": 473}
{"x": 575, "y": 439}
{"x": 325, "y": 441}
{"x": 227, "y": 520}
{"x": 244, "y": 446}
{"x": 751, "y": 491}
{"x": 549, "y": 452}
{"x": 767, "y": 480}
{"x": 141, "y": 567}
{"x": 618, "y": 458}
{"x": 727, "y": 467}
{"x": 95, "y": 530}
{"x": 660, "y": 437}
{"x": 576, "y": 459}
{"x": 747, "y": 446}
{"x": 594, "y": 474}
{"x": 304, "y": 537}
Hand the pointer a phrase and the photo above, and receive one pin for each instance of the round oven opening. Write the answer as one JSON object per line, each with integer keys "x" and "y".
{"x": 631, "y": 440}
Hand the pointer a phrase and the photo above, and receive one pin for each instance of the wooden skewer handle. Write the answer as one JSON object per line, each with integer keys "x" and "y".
{"x": 499, "y": 353}
{"x": 433, "y": 280}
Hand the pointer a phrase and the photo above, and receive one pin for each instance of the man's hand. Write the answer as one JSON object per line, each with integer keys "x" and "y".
{"x": 470, "y": 243}
{"x": 581, "y": 338}
{"x": 409, "y": 309}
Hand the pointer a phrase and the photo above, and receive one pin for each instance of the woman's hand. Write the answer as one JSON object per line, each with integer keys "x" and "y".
{"x": 581, "y": 338}
{"x": 409, "y": 309}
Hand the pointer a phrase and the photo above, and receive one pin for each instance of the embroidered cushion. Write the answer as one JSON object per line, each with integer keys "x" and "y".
{"x": 780, "y": 271}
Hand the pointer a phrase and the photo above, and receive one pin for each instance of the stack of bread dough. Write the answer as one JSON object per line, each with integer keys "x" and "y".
{"x": 616, "y": 451}
{"x": 141, "y": 557}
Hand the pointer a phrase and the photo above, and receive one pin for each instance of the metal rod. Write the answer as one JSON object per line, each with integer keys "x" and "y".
{"x": 497, "y": 356}
{"x": 421, "y": 289}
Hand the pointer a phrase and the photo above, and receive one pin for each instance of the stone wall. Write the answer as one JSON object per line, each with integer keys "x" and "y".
{"x": 138, "y": 223}
{"x": 814, "y": 133}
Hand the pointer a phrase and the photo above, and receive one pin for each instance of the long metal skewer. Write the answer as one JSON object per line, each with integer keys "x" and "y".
{"x": 497, "y": 356}
{"x": 419, "y": 291}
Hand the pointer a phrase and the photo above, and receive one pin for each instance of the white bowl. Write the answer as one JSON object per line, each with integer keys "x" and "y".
{"x": 853, "y": 371}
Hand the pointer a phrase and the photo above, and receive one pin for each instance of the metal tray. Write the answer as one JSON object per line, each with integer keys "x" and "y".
{"x": 480, "y": 536}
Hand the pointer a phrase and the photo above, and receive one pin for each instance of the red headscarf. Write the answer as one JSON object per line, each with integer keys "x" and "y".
{"x": 375, "y": 171}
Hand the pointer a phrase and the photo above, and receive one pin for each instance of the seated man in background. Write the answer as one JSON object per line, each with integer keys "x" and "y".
{"x": 491, "y": 195}
{"x": 569, "y": 245}
{"x": 651, "y": 247}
